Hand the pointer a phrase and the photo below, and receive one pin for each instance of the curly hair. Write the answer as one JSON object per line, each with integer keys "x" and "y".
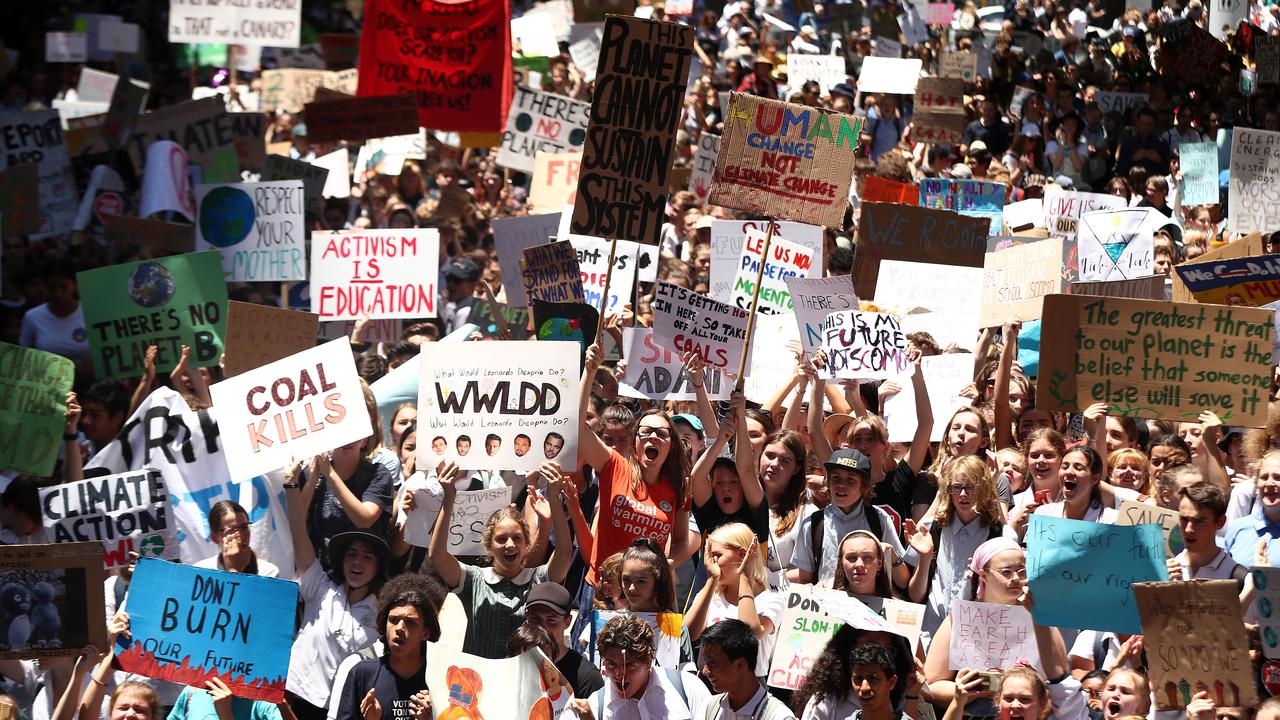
{"x": 629, "y": 634}
{"x": 831, "y": 675}
{"x": 420, "y": 591}
{"x": 974, "y": 471}
{"x": 510, "y": 512}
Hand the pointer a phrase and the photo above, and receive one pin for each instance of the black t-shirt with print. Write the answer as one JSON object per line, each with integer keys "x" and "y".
{"x": 393, "y": 692}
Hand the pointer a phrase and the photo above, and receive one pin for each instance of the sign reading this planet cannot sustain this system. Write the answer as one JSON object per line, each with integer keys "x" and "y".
{"x": 259, "y": 229}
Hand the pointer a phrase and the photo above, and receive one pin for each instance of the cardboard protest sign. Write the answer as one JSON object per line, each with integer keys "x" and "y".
{"x": 519, "y": 687}
{"x": 541, "y": 122}
{"x": 36, "y": 137}
{"x": 261, "y": 334}
{"x": 126, "y": 513}
{"x": 826, "y": 70}
{"x": 1266, "y": 55}
{"x": 704, "y": 165}
{"x": 883, "y": 190}
{"x": 787, "y": 260}
{"x": 66, "y": 47}
{"x": 1121, "y": 102}
{"x": 896, "y": 232}
{"x": 985, "y": 636}
{"x": 1155, "y": 359}
{"x": 360, "y": 118}
{"x": 123, "y": 231}
{"x": 896, "y": 76}
{"x": 939, "y": 116}
{"x": 168, "y": 302}
{"x": 657, "y": 373}
{"x": 313, "y": 177}
{"x": 290, "y": 89}
{"x": 667, "y": 628}
{"x": 383, "y": 273}
{"x": 626, "y": 162}
{"x": 1016, "y": 280}
{"x": 278, "y": 24}
{"x": 32, "y": 407}
{"x": 454, "y": 59}
{"x": 189, "y": 624}
{"x": 303, "y": 405}
{"x": 1251, "y": 281}
{"x": 249, "y": 132}
{"x": 1197, "y": 57}
{"x": 552, "y": 274}
{"x": 786, "y": 161}
{"x": 1196, "y": 641}
{"x": 942, "y": 300}
{"x": 1082, "y": 573}
{"x": 471, "y": 510}
{"x": 864, "y": 346}
{"x": 202, "y": 127}
{"x": 1147, "y": 288}
{"x": 685, "y": 321}
{"x": 1063, "y": 208}
{"x": 962, "y": 65}
{"x": 1199, "y": 163}
{"x": 64, "y": 585}
{"x": 1117, "y": 244}
{"x": 593, "y": 262}
{"x": 485, "y": 316}
{"x": 1133, "y": 512}
{"x": 813, "y": 299}
{"x": 1249, "y": 245}
{"x": 258, "y": 228}
{"x": 555, "y": 180}
{"x": 487, "y": 404}
{"x": 511, "y": 237}
{"x": 729, "y": 237}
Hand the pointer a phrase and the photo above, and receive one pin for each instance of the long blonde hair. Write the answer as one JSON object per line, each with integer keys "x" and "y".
{"x": 738, "y": 536}
{"x": 946, "y": 454}
{"x": 974, "y": 471}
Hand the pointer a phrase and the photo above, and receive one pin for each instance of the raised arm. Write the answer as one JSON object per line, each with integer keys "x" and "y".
{"x": 72, "y": 460}
{"x": 696, "y": 370}
{"x": 745, "y": 459}
{"x": 590, "y": 447}
{"x": 921, "y": 540}
{"x": 444, "y": 562}
{"x": 1210, "y": 430}
{"x": 562, "y": 553}
{"x": 700, "y": 476}
{"x": 146, "y": 382}
{"x": 1004, "y": 371}
{"x": 581, "y": 528}
{"x": 924, "y": 421}
{"x": 821, "y": 446}
{"x": 298, "y": 503}
{"x": 362, "y": 513}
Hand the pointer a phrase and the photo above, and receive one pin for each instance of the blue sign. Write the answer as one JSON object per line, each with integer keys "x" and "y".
{"x": 189, "y": 624}
{"x": 1082, "y": 573}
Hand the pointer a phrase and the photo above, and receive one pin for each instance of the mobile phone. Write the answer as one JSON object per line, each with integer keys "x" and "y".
{"x": 991, "y": 681}
{"x": 1042, "y": 497}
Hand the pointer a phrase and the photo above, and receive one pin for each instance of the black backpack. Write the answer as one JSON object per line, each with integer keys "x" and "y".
{"x": 816, "y": 528}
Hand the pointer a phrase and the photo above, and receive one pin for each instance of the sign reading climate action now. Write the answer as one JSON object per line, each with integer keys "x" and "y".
{"x": 127, "y": 513}
{"x": 1156, "y": 359}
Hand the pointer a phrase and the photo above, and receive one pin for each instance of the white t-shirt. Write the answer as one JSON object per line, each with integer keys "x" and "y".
{"x": 265, "y": 569}
{"x": 43, "y": 330}
{"x": 332, "y": 628}
{"x": 769, "y": 604}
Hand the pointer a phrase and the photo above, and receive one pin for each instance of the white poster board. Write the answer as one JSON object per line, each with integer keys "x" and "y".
{"x": 944, "y": 376}
{"x": 657, "y": 373}
{"x": 275, "y": 24}
{"x": 728, "y": 237}
{"x": 511, "y": 237}
{"x": 813, "y": 299}
{"x": 259, "y": 228}
{"x": 383, "y": 273}
{"x": 951, "y": 294}
{"x": 541, "y": 122}
{"x": 787, "y": 260}
{"x": 685, "y": 321}
{"x": 1116, "y": 244}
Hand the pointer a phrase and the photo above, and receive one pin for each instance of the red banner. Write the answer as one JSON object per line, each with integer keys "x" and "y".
{"x": 453, "y": 56}
{"x": 878, "y": 189}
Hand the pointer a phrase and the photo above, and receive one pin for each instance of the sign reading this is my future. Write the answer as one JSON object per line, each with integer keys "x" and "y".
{"x": 864, "y": 346}
{"x": 33, "y": 400}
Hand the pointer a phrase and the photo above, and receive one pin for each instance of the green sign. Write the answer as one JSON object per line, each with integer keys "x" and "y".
{"x": 169, "y": 302}
{"x": 33, "y": 403}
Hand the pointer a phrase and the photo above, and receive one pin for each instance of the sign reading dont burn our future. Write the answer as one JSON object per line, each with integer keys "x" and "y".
{"x": 786, "y": 161}
{"x": 1156, "y": 359}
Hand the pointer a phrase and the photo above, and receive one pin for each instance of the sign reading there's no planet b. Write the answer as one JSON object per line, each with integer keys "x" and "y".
{"x": 506, "y": 405}
{"x": 297, "y": 407}
{"x": 541, "y": 122}
{"x": 259, "y": 228}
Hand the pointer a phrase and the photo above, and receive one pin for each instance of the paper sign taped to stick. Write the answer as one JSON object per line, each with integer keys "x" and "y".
{"x": 864, "y": 346}
{"x": 259, "y": 228}
{"x": 64, "y": 584}
{"x": 729, "y": 237}
{"x": 787, "y": 260}
{"x": 552, "y": 274}
{"x": 656, "y": 373}
{"x": 685, "y": 321}
{"x": 385, "y": 274}
{"x": 1016, "y": 280}
{"x": 1156, "y": 359}
{"x": 815, "y": 298}
{"x": 897, "y": 232}
{"x": 32, "y": 407}
{"x": 277, "y": 24}
{"x": 1132, "y": 512}
{"x": 985, "y": 636}
{"x": 361, "y": 118}
{"x": 303, "y": 405}
{"x": 499, "y": 405}
{"x": 786, "y": 161}
{"x": 126, "y": 513}
{"x": 189, "y": 624}
{"x": 1196, "y": 642}
{"x": 1253, "y": 281}
{"x": 541, "y": 122}
{"x": 261, "y": 334}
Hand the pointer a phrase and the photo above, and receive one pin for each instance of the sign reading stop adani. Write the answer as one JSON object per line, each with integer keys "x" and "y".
{"x": 297, "y": 407}
{"x": 189, "y": 624}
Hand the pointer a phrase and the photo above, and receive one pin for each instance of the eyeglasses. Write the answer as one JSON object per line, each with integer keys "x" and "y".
{"x": 961, "y": 489}
{"x": 1011, "y": 573}
{"x": 661, "y": 433}
{"x": 228, "y": 529}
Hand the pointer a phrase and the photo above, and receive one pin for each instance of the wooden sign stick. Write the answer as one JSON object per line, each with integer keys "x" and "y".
{"x": 498, "y": 317}
{"x": 604, "y": 296}
{"x": 755, "y": 302}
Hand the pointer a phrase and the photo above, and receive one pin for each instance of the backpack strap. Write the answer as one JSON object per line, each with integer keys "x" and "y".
{"x": 817, "y": 527}
{"x": 1099, "y": 650}
{"x": 675, "y": 676}
{"x": 874, "y": 523}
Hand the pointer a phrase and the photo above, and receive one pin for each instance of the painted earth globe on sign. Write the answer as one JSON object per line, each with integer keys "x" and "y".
{"x": 151, "y": 285}
{"x": 226, "y": 216}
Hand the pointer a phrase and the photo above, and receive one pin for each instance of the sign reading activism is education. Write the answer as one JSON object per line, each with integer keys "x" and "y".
{"x": 382, "y": 273}
{"x": 813, "y": 299}
{"x": 33, "y": 403}
{"x": 1082, "y": 573}
{"x": 1156, "y": 359}
{"x": 1195, "y": 639}
{"x": 1016, "y": 280}
{"x": 685, "y": 321}
{"x": 259, "y": 228}
{"x": 657, "y": 373}
{"x": 552, "y": 273}
{"x": 786, "y": 161}
{"x": 626, "y": 162}
{"x": 276, "y": 24}
{"x": 261, "y": 334}
{"x": 454, "y": 58}
{"x": 541, "y": 122}
{"x": 499, "y": 405}
{"x": 986, "y": 636}
{"x": 64, "y": 585}
{"x": 1251, "y": 281}
{"x": 787, "y": 260}
{"x": 168, "y": 302}
{"x": 297, "y": 407}
{"x": 864, "y": 346}
{"x": 189, "y": 624}
{"x": 361, "y": 118}
{"x": 897, "y": 232}
{"x": 126, "y": 513}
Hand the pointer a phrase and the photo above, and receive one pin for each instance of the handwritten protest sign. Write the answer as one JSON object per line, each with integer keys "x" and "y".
{"x": 945, "y": 377}
{"x": 485, "y": 316}
{"x": 384, "y": 274}
{"x": 942, "y": 300}
{"x": 454, "y": 59}
{"x": 122, "y": 231}
{"x": 126, "y": 513}
{"x": 1249, "y": 245}
{"x": 1117, "y": 244}
{"x": 985, "y": 636}
{"x": 189, "y": 624}
{"x": 555, "y": 180}
{"x": 685, "y": 321}
{"x": 657, "y": 373}
{"x": 278, "y": 24}
{"x": 896, "y": 232}
{"x": 939, "y": 116}
{"x": 305, "y": 404}
{"x": 864, "y": 346}
{"x": 259, "y": 229}
{"x": 704, "y": 164}
{"x": 1155, "y": 359}
{"x": 593, "y": 262}
{"x": 1147, "y": 288}
{"x": 1266, "y": 49}
{"x": 1255, "y": 169}
{"x": 1063, "y": 208}
{"x": 471, "y": 510}
{"x": 1234, "y": 281}
{"x": 1082, "y": 573}
{"x": 1133, "y": 512}
{"x": 32, "y": 407}
{"x": 786, "y": 161}
{"x": 505, "y": 688}
{"x": 486, "y": 404}
{"x": 169, "y": 302}
{"x": 511, "y": 237}
{"x": 826, "y": 70}
{"x": 813, "y": 299}
{"x": 202, "y": 127}
{"x": 1199, "y": 163}
{"x": 36, "y": 137}
{"x": 66, "y": 47}
{"x": 667, "y": 628}
{"x": 290, "y": 89}
{"x": 1016, "y": 280}
{"x": 626, "y": 162}
{"x": 359, "y": 118}
{"x": 729, "y": 237}
{"x": 884, "y": 190}
{"x": 1267, "y": 582}
{"x": 962, "y": 65}
{"x": 786, "y": 260}
{"x": 313, "y": 177}
{"x": 552, "y": 273}
{"x": 1121, "y": 102}
{"x": 64, "y": 584}
{"x": 541, "y": 122}
{"x": 972, "y": 198}
{"x": 1195, "y": 641}
{"x": 261, "y": 334}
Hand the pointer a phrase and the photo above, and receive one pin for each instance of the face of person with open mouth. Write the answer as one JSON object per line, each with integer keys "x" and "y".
{"x": 653, "y": 441}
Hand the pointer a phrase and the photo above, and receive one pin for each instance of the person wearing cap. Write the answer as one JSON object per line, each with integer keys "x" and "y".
{"x": 991, "y": 129}
{"x": 459, "y": 293}
{"x": 849, "y": 481}
{"x": 548, "y": 607}
{"x": 339, "y": 607}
